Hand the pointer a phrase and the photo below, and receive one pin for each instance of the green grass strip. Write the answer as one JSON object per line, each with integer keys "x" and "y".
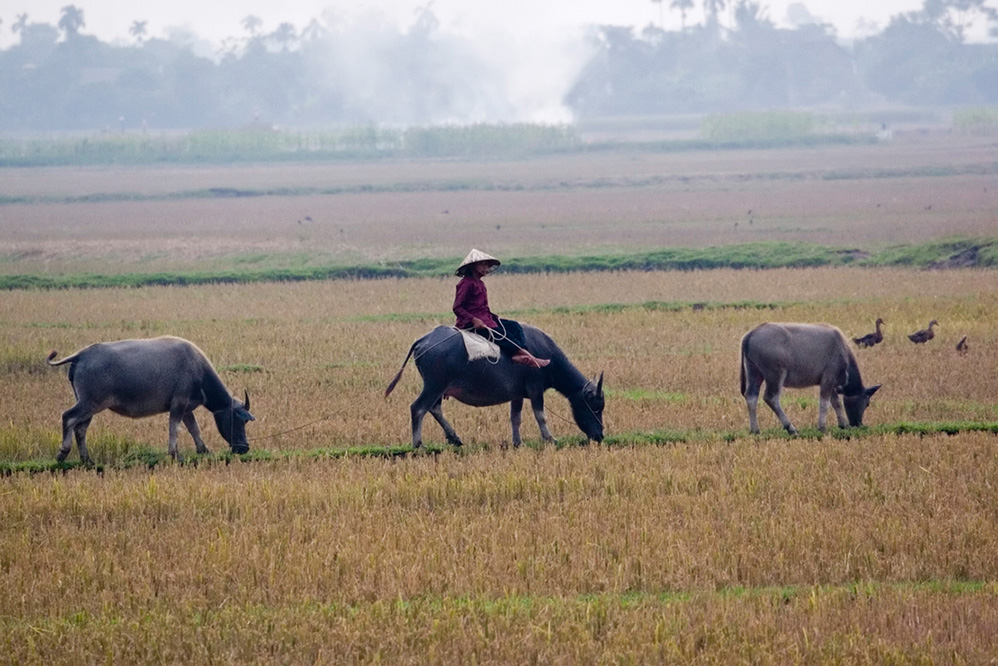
{"x": 144, "y": 456}
{"x": 977, "y": 252}
{"x": 512, "y": 605}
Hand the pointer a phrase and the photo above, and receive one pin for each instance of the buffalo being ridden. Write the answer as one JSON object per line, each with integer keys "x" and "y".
{"x": 137, "y": 378}
{"x": 798, "y": 356}
{"x": 442, "y": 361}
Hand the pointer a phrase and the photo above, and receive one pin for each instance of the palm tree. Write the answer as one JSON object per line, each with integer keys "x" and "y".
{"x": 252, "y": 24}
{"x": 314, "y": 31}
{"x": 138, "y": 30}
{"x": 71, "y": 20}
{"x": 426, "y": 21}
{"x": 660, "y": 21}
{"x": 751, "y": 16}
{"x": 683, "y": 6}
{"x": 712, "y": 8}
{"x": 20, "y": 24}
{"x": 285, "y": 35}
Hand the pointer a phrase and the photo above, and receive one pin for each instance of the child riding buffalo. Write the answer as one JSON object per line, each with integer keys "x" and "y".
{"x": 471, "y": 305}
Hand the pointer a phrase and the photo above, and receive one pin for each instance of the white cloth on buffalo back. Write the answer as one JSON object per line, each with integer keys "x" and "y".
{"x": 479, "y": 347}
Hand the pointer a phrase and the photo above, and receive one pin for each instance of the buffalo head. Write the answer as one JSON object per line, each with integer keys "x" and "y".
{"x": 855, "y": 405}
{"x": 587, "y": 409}
{"x": 231, "y": 422}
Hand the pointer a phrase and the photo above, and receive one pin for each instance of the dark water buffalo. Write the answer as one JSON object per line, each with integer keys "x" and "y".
{"x": 798, "y": 356}
{"x": 442, "y": 361}
{"x": 137, "y": 378}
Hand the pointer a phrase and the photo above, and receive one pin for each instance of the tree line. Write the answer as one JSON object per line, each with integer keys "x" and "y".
{"x": 920, "y": 59}
{"x": 56, "y": 77}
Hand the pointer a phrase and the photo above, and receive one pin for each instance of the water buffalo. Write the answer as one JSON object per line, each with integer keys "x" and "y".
{"x": 442, "y": 362}
{"x": 798, "y": 356}
{"x": 137, "y": 378}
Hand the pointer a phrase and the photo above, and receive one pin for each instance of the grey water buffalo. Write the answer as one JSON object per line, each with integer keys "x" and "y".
{"x": 798, "y": 356}
{"x": 442, "y": 361}
{"x": 137, "y": 378}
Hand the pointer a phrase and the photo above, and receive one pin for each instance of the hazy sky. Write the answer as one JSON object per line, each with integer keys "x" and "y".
{"x": 555, "y": 19}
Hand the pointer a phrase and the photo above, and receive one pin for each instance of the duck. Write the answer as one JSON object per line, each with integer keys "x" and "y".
{"x": 871, "y": 339}
{"x": 962, "y": 345}
{"x": 926, "y": 334}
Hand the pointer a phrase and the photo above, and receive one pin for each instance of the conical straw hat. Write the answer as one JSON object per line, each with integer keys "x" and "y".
{"x": 474, "y": 257}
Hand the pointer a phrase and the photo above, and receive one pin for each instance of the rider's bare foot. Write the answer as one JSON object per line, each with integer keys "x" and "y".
{"x": 526, "y": 358}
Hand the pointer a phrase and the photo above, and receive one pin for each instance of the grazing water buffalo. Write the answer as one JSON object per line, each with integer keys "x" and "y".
{"x": 442, "y": 362}
{"x": 798, "y": 356}
{"x": 137, "y": 378}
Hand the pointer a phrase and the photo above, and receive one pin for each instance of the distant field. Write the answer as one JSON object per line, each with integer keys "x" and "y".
{"x": 683, "y": 539}
{"x": 112, "y": 219}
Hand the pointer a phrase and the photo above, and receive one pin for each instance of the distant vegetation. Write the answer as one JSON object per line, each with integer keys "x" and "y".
{"x": 57, "y": 78}
{"x": 757, "y": 127}
{"x": 261, "y": 144}
{"x": 951, "y": 253}
{"x": 981, "y": 121}
{"x": 734, "y": 130}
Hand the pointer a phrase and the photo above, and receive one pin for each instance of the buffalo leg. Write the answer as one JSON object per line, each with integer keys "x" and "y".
{"x": 419, "y": 407}
{"x": 191, "y": 424}
{"x": 75, "y": 415}
{"x": 753, "y": 382}
{"x": 772, "y": 398}
{"x": 840, "y": 413}
{"x": 438, "y": 413}
{"x": 418, "y": 412}
{"x": 516, "y": 418}
{"x": 80, "y": 431}
{"x": 537, "y": 404}
{"x": 822, "y": 410}
{"x": 175, "y": 419}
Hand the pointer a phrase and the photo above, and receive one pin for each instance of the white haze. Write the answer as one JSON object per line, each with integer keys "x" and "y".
{"x": 516, "y": 58}
{"x": 505, "y": 76}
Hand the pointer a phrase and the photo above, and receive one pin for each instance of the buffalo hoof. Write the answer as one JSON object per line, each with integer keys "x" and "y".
{"x": 61, "y": 457}
{"x": 456, "y": 441}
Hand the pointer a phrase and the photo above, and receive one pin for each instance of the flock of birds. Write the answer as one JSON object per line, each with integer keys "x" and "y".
{"x": 918, "y": 337}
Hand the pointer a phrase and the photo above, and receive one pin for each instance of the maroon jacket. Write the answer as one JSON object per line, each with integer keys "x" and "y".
{"x": 472, "y": 300}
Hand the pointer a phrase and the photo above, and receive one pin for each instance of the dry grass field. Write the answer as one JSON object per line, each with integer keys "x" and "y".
{"x": 873, "y": 549}
{"x": 718, "y": 548}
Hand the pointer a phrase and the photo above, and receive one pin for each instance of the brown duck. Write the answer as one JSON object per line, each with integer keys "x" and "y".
{"x": 962, "y": 345}
{"x": 926, "y": 334}
{"x": 871, "y": 339}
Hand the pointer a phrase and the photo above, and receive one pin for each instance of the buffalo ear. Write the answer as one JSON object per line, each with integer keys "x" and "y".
{"x": 873, "y": 389}
{"x": 599, "y": 385}
{"x": 244, "y": 415}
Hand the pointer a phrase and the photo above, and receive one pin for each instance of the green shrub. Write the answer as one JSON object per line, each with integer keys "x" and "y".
{"x": 978, "y": 121}
{"x": 774, "y": 126}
